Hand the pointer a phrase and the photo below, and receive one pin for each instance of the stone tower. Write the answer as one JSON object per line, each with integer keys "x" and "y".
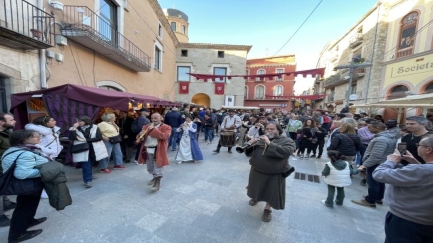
{"x": 179, "y": 23}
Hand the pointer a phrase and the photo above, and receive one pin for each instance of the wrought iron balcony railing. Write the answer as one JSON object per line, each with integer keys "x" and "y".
{"x": 356, "y": 40}
{"x": 24, "y": 26}
{"x": 83, "y": 25}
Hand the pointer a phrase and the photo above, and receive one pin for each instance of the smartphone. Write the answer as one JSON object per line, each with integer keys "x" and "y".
{"x": 402, "y": 147}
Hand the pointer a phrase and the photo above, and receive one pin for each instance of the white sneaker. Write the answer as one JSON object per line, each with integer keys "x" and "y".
{"x": 44, "y": 194}
{"x": 179, "y": 162}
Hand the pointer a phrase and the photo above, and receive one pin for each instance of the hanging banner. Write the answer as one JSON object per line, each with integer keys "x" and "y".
{"x": 219, "y": 88}
{"x": 183, "y": 87}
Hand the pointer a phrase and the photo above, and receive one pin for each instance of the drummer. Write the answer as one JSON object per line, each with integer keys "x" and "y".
{"x": 231, "y": 122}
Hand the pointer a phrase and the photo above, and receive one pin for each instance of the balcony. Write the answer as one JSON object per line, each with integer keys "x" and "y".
{"x": 333, "y": 55}
{"x": 278, "y": 97}
{"x": 343, "y": 77}
{"x": 356, "y": 40}
{"x": 405, "y": 52}
{"x": 84, "y": 26}
{"x": 23, "y": 26}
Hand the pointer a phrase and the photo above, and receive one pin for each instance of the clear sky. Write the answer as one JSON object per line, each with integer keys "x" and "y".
{"x": 267, "y": 25}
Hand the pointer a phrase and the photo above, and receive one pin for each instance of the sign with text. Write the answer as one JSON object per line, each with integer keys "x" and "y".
{"x": 414, "y": 70}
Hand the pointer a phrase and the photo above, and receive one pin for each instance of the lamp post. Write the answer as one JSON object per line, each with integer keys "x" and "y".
{"x": 352, "y": 66}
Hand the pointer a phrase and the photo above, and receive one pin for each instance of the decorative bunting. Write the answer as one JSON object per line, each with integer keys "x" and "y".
{"x": 183, "y": 87}
{"x": 270, "y": 76}
{"x": 219, "y": 88}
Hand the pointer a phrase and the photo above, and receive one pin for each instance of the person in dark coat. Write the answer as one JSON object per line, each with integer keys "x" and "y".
{"x": 347, "y": 142}
{"x": 309, "y": 138}
{"x": 269, "y": 160}
{"x": 125, "y": 130}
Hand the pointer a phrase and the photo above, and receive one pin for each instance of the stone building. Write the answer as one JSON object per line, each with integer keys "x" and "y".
{"x": 408, "y": 54}
{"x": 270, "y": 93}
{"x": 212, "y": 59}
{"x": 363, "y": 44}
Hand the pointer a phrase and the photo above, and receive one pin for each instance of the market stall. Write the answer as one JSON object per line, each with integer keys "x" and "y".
{"x": 66, "y": 102}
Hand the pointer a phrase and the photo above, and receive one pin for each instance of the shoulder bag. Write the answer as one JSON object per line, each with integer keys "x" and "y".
{"x": 78, "y": 148}
{"x": 10, "y": 185}
{"x": 115, "y": 139}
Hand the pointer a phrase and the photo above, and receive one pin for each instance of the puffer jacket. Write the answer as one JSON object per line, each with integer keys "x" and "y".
{"x": 382, "y": 145}
{"x": 54, "y": 180}
{"x": 346, "y": 144}
{"x": 50, "y": 142}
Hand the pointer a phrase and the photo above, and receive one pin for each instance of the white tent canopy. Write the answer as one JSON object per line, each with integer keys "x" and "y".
{"x": 422, "y": 100}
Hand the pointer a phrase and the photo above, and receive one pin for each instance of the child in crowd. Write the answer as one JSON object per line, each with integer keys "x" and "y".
{"x": 337, "y": 175}
{"x": 298, "y": 141}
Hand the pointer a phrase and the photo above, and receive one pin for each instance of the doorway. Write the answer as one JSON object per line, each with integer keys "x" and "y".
{"x": 201, "y": 99}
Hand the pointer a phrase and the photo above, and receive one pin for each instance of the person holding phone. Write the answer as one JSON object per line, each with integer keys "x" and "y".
{"x": 382, "y": 145}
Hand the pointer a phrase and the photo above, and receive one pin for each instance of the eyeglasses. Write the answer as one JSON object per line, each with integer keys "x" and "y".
{"x": 422, "y": 145}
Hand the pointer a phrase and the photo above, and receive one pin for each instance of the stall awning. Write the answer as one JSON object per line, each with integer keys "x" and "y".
{"x": 422, "y": 100}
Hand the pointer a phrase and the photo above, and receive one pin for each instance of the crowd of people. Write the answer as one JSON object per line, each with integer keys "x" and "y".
{"x": 355, "y": 143}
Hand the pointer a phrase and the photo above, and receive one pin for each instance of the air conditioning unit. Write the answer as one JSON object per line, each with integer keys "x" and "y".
{"x": 59, "y": 57}
{"x": 49, "y": 54}
{"x": 61, "y": 40}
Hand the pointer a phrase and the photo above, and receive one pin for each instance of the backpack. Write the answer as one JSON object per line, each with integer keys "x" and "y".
{"x": 135, "y": 127}
{"x": 326, "y": 119}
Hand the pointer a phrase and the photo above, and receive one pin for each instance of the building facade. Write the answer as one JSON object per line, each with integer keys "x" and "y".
{"x": 210, "y": 59}
{"x": 408, "y": 60}
{"x": 362, "y": 45}
{"x": 270, "y": 93}
{"x": 112, "y": 44}
{"x": 178, "y": 23}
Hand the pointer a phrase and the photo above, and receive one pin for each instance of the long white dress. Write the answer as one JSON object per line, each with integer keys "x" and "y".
{"x": 184, "y": 153}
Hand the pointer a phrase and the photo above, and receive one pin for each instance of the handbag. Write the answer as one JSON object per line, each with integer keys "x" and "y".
{"x": 10, "y": 185}
{"x": 78, "y": 148}
{"x": 115, "y": 139}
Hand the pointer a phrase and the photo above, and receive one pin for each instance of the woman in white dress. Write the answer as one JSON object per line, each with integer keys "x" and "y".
{"x": 188, "y": 148}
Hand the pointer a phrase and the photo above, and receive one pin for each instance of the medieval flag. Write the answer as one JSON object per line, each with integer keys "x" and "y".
{"x": 183, "y": 87}
{"x": 219, "y": 88}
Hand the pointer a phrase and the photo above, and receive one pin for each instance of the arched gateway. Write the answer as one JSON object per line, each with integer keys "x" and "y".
{"x": 201, "y": 99}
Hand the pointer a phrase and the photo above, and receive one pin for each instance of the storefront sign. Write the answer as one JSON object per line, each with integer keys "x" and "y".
{"x": 413, "y": 70}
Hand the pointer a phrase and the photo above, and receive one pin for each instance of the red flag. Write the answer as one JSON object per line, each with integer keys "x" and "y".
{"x": 219, "y": 88}
{"x": 183, "y": 87}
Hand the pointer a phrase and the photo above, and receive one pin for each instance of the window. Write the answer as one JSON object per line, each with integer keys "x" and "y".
{"x": 260, "y": 72}
{"x": 280, "y": 70}
{"x": 353, "y": 91}
{"x": 183, "y": 29}
{"x": 359, "y": 31}
{"x": 398, "y": 91}
{"x": 183, "y": 53}
{"x": 407, "y": 34}
{"x": 259, "y": 93}
{"x": 3, "y": 103}
{"x": 278, "y": 90}
{"x": 429, "y": 88}
{"x": 247, "y": 72}
{"x": 245, "y": 92}
{"x": 220, "y": 54}
{"x": 182, "y": 73}
{"x": 173, "y": 26}
{"x": 108, "y": 27}
{"x": 220, "y": 71}
{"x": 107, "y": 87}
{"x": 160, "y": 30}
{"x": 158, "y": 58}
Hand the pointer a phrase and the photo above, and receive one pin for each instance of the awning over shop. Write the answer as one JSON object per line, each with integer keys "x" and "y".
{"x": 76, "y": 94}
{"x": 422, "y": 100}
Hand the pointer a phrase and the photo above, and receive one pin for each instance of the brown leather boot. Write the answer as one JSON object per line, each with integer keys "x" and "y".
{"x": 156, "y": 184}
{"x": 151, "y": 182}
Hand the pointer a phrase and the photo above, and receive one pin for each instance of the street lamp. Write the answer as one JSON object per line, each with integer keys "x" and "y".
{"x": 353, "y": 65}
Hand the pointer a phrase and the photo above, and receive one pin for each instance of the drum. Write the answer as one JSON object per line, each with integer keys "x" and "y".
{"x": 228, "y": 139}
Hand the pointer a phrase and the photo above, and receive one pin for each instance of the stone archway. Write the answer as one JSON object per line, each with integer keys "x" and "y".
{"x": 201, "y": 99}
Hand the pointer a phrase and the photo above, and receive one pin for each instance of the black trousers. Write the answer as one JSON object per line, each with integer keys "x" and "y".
{"x": 219, "y": 146}
{"x": 24, "y": 214}
{"x": 320, "y": 144}
{"x": 399, "y": 230}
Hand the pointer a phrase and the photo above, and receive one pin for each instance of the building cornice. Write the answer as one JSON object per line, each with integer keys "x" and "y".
{"x": 421, "y": 54}
{"x": 246, "y": 48}
{"x": 269, "y": 65}
{"x": 164, "y": 21}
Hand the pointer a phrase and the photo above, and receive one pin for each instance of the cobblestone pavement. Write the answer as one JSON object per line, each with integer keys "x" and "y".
{"x": 204, "y": 202}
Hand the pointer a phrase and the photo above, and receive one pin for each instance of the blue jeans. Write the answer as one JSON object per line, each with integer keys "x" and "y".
{"x": 376, "y": 189}
{"x": 399, "y": 230}
{"x": 208, "y": 134}
{"x": 172, "y": 139}
{"x": 86, "y": 168}
{"x": 117, "y": 155}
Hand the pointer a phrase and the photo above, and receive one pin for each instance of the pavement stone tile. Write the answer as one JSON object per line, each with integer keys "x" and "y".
{"x": 203, "y": 206}
{"x": 151, "y": 221}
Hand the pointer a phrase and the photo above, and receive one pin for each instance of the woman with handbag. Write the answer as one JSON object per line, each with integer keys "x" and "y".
{"x": 111, "y": 138}
{"x": 87, "y": 146}
{"x": 23, "y": 156}
{"x": 50, "y": 141}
